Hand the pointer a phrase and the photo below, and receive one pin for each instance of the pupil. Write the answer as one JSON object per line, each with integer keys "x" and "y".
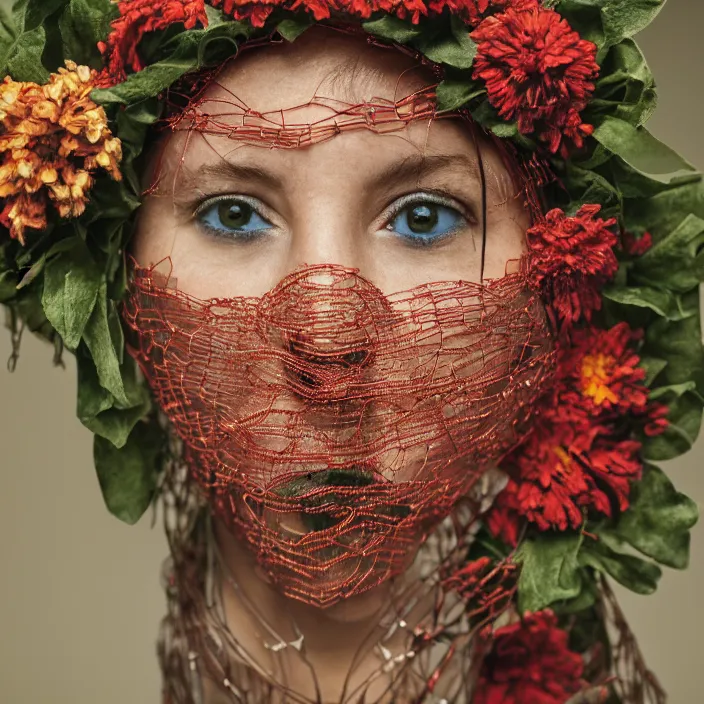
{"x": 422, "y": 219}
{"x": 234, "y": 214}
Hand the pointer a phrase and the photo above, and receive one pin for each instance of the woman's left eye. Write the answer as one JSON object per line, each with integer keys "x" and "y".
{"x": 424, "y": 221}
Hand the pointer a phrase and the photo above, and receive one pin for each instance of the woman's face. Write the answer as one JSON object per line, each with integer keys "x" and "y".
{"x": 336, "y": 414}
{"x": 405, "y": 208}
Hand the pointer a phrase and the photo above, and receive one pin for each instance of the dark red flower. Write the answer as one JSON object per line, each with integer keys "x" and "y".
{"x": 137, "y": 18}
{"x": 636, "y": 247}
{"x": 571, "y": 260}
{"x": 537, "y": 71}
{"x": 576, "y": 456}
{"x": 530, "y": 663}
{"x": 474, "y": 11}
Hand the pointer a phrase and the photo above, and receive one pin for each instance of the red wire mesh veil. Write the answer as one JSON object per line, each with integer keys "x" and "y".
{"x": 346, "y": 436}
{"x": 335, "y": 426}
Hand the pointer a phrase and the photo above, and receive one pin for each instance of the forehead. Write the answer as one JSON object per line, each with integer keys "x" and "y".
{"x": 326, "y": 84}
{"x": 322, "y": 61}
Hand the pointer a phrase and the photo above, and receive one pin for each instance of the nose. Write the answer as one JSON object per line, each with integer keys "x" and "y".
{"x": 326, "y": 319}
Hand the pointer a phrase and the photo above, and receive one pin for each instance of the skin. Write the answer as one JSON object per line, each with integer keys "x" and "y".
{"x": 327, "y": 203}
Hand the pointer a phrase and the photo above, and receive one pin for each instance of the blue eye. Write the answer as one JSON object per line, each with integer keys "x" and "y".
{"x": 232, "y": 217}
{"x": 424, "y": 222}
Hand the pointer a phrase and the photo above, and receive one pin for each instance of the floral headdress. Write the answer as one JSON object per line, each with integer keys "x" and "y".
{"x": 618, "y": 256}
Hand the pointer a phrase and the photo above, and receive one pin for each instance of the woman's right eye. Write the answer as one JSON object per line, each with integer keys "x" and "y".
{"x": 232, "y": 217}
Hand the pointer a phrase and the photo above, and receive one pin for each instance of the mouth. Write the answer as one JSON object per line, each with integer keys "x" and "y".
{"x": 326, "y": 498}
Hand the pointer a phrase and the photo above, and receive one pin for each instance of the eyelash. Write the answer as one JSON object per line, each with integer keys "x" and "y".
{"x": 392, "y": 213}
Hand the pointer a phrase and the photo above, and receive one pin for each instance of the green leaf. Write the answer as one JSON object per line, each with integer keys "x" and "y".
{"x": 642, "y": 152}
{"x": 98, "y": 336}
{"x": 8, "y": 36}
{"x": 685, "y": 419}
{"x": 29, "y": 14}
{"x": 291, "y": 29}
{"x": 127, "y": 475}
{"x": 392, "y": 28}
{"x": 610, "y": 555}
{"x": 675, "y": 262}
{"x": 71, "y": 284}
{"x": 665, "y": 303}
{"x": 98, "y": 410}
{"x": 659, "y": 519}
{"x": 454, "y": 49}
{"x": 549, "y": 570}
{"x": 83, "y": 24}
{"x": 625, "y": 87}
{"x": 8, "y": 285}
{"x": 25, "y": 61}
{"x": 454, "y": 94}
{"x": 146, "y": 83}
{"x": 663, "y": 212}
{"x": 215, "y": 16}
{"x": 220, "y": 42}
{"x": 618, "y": 18}
{"x": 653, "y": 366}
{"x": 680, "y": 343}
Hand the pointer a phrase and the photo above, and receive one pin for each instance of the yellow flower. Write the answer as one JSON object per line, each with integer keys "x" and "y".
{"x": 53, "y": 138}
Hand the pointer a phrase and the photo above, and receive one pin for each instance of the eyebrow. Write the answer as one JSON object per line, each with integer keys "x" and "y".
{"x": 413, "y": 167}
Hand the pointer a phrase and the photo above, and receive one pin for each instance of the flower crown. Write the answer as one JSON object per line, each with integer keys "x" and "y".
{"x": 618, "y": 255}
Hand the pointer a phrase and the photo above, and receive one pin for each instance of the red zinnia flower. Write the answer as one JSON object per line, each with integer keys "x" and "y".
{"x": 600, "y": 373}
{"x": 530, "y": 663}
{"x": 574, "y": 458}
{"x": 474, "y": 11}
{"x": 137, "y": 17}
{"x": 537, "y": 70}
{"x": 571, "y": 259}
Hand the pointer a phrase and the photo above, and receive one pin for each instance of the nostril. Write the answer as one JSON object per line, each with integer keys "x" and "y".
{"x": 319, "y": 363}
{"x": 357, "y": 358}
{"x": 328, "y": 353}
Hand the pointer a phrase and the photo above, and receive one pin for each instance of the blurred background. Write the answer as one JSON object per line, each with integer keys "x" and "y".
{"x": 80, "y": 599}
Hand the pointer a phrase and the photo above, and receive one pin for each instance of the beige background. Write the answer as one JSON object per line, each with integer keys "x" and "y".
{"x": 80, "y": 598}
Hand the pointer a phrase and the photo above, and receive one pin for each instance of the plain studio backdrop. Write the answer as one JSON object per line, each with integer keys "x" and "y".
{"x": 80, "y": 598}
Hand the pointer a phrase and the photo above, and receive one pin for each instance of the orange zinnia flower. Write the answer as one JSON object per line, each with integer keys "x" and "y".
{"x": 52, "y": 140}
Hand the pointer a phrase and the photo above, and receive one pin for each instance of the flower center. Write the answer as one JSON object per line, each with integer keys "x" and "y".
{"x": 596, "y": 373}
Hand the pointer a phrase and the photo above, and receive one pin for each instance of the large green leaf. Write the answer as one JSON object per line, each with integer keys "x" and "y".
{"x": 98, "y": 336}
{"x": 549, "y": 570}
{"x": 610, "y": 554}
{"x": 98, "y": 410}
{"x": 127, "y": 475}
{"x": 25, "y": 60}
{"x": 8, "y": 36}
{"x": 455, "y": 48}
{"x": 83, "y": 24}
{"x": 676, "y": 262}
{"x": 685, "y": 419}
{"x": 642, "y": 153}
{"x": 625, "y": 87}
{"x": 680, "y": 343}
{"x": 664, "y": 303}
{"x": 618, "y": 18}
{"x": 71, "y": 285}
{"x": 659, "y": 519}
